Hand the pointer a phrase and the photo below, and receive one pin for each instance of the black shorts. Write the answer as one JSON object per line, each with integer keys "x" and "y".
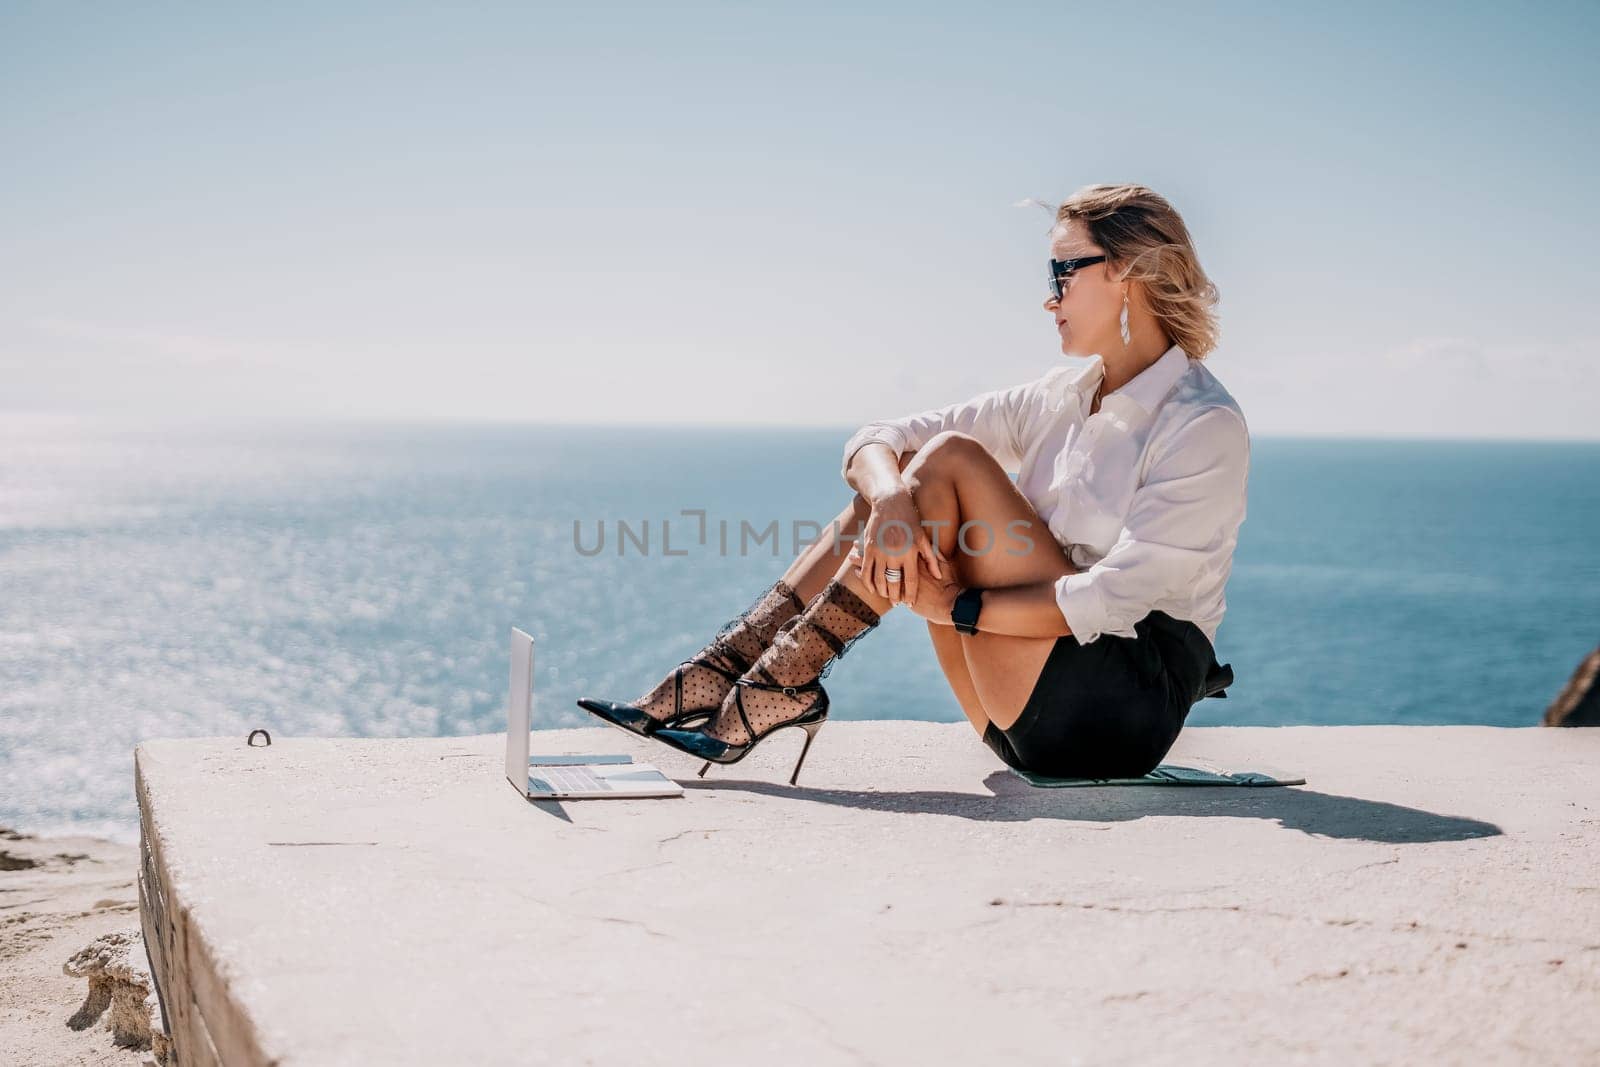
{"x": 1114, "y": 707}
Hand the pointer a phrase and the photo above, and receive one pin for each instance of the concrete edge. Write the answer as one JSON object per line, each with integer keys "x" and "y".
{"x": 205, "y": 1024}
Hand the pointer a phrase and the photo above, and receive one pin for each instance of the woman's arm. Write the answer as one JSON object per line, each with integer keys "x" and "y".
{"x": 1028, "y": 610}
{"x": 874, "y": 472}
{"x": 988, "y": 417}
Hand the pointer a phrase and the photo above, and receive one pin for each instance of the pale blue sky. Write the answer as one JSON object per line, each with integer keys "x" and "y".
{"x": 712, "y": 213}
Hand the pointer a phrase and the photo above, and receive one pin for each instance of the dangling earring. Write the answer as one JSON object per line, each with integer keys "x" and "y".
{"x": 1126, "y": 336}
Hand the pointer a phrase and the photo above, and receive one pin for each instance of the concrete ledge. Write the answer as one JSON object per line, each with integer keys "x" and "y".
{"x": 1431, "y": 893}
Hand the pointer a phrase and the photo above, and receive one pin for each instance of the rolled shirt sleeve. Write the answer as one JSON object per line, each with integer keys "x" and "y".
{"x": 1178, "y": 537}
{"x": 989, "y": 417}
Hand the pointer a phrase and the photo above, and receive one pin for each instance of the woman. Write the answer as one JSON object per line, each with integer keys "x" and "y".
{"x": 1072, "y": 611}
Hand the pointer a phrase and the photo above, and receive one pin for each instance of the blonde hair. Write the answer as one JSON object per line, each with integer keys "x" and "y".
{"x": 1145, "y": 237}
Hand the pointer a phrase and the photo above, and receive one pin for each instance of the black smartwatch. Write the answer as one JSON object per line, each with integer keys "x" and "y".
{"x": 965, "y": 611}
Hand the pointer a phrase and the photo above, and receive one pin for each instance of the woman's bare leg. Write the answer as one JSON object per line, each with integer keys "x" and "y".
{"x": 956, "y": 480}
{"x": 813, "y": 568}
{"x": 704, "y": 682}
{"x": 809, "y": 574}
{"x": 953, "y": 661}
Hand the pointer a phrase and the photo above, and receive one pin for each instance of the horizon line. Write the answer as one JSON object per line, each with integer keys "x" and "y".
{"x": 190, "y": 420}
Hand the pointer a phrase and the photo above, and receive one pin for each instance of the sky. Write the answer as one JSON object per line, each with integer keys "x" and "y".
{"x": 796, "y": 213}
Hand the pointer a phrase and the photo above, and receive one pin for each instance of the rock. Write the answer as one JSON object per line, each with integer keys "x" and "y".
{"x": 119, "y": 979}
{"x": 1579, "y": 703}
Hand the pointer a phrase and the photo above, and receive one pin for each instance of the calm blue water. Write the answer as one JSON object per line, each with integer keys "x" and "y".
{"x": 360, "y": 581}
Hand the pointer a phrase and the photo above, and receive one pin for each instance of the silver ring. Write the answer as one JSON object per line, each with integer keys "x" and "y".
{"x": 891, "y": 573}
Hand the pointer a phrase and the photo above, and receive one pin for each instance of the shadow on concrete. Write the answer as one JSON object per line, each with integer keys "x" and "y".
{"x": 1013, "y": 800}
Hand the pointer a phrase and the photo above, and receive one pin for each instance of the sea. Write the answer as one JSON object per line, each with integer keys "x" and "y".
{"x": 361, "y": 580}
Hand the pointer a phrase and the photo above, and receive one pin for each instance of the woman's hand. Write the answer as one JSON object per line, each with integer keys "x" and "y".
{"x": 893, "y": 536}
{"x": 936, "y": 596}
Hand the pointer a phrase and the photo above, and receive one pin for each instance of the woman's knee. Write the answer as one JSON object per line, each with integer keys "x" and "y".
{"x": 945, "y": 451}
{"x": 941, "y": 465}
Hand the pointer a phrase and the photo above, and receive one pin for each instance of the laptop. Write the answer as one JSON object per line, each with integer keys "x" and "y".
{"x": 566, "y": 777}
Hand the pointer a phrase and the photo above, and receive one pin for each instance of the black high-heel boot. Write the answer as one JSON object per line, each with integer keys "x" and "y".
{"x": 801, "y": 654}
{"x": 737, "y": 645}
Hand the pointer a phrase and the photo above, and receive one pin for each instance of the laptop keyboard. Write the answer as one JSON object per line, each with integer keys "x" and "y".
{"x": 571, "y": 780}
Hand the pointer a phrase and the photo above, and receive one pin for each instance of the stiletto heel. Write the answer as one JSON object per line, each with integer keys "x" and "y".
{"x": 811, "y": 729}
{"x": 811, "y": 732}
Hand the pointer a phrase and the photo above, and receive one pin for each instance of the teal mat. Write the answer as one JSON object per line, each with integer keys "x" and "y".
{"x": 1169, "y": 774}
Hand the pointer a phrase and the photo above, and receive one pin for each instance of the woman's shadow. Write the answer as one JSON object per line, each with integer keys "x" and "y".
{"x": 1013, "y": 800}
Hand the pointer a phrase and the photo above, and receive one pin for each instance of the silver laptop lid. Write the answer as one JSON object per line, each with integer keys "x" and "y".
{"x": 609, "y": 775}
{"x": 519, "y": 710}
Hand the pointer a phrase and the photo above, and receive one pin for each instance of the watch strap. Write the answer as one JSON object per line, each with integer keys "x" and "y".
{"x": 964, "y": 613}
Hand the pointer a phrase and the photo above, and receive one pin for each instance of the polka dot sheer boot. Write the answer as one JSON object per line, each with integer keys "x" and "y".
{"x": 694, "y": 690}
{"x": 783, "y": 687}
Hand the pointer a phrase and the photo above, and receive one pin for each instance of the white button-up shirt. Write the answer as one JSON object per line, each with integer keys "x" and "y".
{"x": 1146, "y": 495}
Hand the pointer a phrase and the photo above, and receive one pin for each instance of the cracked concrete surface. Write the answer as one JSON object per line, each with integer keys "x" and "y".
{"x": 1430, "y": 893}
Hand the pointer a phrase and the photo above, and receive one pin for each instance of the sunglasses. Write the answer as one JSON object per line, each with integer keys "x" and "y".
{"x": 1061, "y": 271}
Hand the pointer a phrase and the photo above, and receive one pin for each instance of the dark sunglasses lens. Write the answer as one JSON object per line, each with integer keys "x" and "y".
{"x": 1062, "y": 270}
